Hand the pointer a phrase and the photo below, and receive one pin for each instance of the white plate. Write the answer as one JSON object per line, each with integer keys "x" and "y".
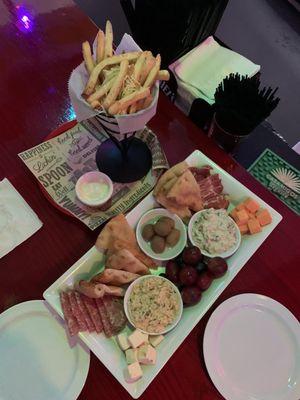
{"x": 106, "y": 349}
{"x": 36, "y": 360}
{"x": 252, "y": 349}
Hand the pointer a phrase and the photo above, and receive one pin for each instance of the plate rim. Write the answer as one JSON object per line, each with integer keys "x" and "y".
{"x": 244, "y": 298}
{"x": 80, "y": 375}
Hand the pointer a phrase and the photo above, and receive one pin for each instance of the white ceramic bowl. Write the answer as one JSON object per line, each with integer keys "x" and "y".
{"x": 151, "y": 217}
{"x": 127, "y": 296}
{"x": 97, "y": 177}
{"x": 225, "y": 254}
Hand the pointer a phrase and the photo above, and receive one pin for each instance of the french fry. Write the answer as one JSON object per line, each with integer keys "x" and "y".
{"x": 148, "y": 65}
{"x": 126, "y": 101}
{"x": 133, "y": 108}
{"x": 87, "y": 56}
{"x": 117, "y": 85}
{"x": 163, "y": 75}
{"x": 148, "y": 100}
{"x": 153, "y": 73}
{"x": 91, "y": 84}
{"x": 137, "y": 72}
{"x": 96, "y": 104}
{"x": 100, "y": 46}
{"x": 102, "y": 91}
{"x": 108, "y": 52}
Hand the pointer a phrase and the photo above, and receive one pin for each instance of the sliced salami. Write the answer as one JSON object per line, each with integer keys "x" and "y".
{"x": 115, "y": 312}
{"x": 84, "y": 312}
{"x": 104, "y": 318}
{"x": 91, "y": 306}
{"x": 76, "y": 311}
{"x": 70, "y": 319}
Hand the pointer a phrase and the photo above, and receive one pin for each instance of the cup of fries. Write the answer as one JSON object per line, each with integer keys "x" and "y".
{"x": 120, "y": 87}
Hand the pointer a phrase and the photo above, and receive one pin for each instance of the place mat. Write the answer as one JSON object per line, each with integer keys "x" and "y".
{"x": 58, "y": 163}
{"x": 278, "y": 176}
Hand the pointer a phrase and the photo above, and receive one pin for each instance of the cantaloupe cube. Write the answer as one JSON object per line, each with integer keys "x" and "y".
{"x": 254, "y": 226}
{"x": 243, "y": 228}
{"x": 242, "y": 217}
{"x": 240, "y": 207}
{"x": 264, "y": 217}
{"x": 251, "y": 205}
{"x": 251, "y": 215}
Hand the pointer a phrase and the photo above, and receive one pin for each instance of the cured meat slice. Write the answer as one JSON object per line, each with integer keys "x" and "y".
{"x": 217, "y": 202}
{"x": 115, "y": 312}
{"x": 93, "y": 312}
{"x": 104, "y": 318}
{"x": 201, "y": 173}
{"x": 76, "y": 311}
{"x": 70, "y": 319}
{"x": 89, "y": 323}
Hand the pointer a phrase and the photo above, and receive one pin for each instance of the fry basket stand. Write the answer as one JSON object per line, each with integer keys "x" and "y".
{"x": 126, "y": 160}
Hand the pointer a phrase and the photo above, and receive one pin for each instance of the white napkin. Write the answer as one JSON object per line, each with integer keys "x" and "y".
{"x": 17, "y": 220}
{"x": 202, "y": 69}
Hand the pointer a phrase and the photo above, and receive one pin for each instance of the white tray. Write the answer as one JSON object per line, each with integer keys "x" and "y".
{"x": 106, "y": 349}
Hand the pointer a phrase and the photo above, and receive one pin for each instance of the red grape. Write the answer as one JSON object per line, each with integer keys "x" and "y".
{"x": 200, "y": 267}
{"x": 204, "y": 280}
{"x": 217, "y": 266}
{"x": 191, "y": 295}
{"x": 188, "y": 275}
{"x": 192, "y": 255}
{"x": 172, "y": 271}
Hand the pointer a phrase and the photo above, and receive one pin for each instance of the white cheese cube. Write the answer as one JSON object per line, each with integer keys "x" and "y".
{"x": 133, "y": 373}
{"x": 147, "y": 354}
{"x": 137, "y": 338}
{"x": 156, "y": 340}
{"x": 131, "y": 356}
{"x": 122, "y": 339}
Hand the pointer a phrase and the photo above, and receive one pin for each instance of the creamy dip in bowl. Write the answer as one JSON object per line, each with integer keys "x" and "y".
{"x": 214, "y": 232}
{"x": 153, "y": 304}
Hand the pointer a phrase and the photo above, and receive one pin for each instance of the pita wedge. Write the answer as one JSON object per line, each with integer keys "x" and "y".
{"x": 186, "y": 192}
{"x": 115, "y": 277}
{"x": 116, "y": 228}
{"x": 134, "y": 250}
{"x": 173, "y": 172}
{"x": 97, "y": 290}
{"x": 125, "y": 260}
{"x": 182, "y": 211}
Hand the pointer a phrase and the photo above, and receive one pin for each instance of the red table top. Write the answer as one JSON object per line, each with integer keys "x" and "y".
{"x": 37, "y": 56}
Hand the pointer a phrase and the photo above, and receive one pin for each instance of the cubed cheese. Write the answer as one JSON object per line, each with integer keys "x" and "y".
{"x": 133, "y": 373}
{"x": 242, "y": 217}
{"x": 254, "y": 226}
{"x": 264, "y": 217}
{"x": 137, "y": 338}
{"x": 147, "y": 354}
{"x": 251, "y": 205}
{"x": 240, "y": 207}
{"x": 131, "y": 356}
{"x": 233, "y": 214}
{"x": 122, "y": 339}
{"x": 243, "y": 229}
{"x": 156, "y": 340}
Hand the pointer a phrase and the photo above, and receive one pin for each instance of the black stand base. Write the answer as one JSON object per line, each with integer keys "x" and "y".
{"x": 127, "y": 166}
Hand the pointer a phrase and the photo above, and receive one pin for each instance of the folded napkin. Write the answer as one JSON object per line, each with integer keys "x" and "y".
{"x": 17, "y": 220}
{"x": 202, "y": 69}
